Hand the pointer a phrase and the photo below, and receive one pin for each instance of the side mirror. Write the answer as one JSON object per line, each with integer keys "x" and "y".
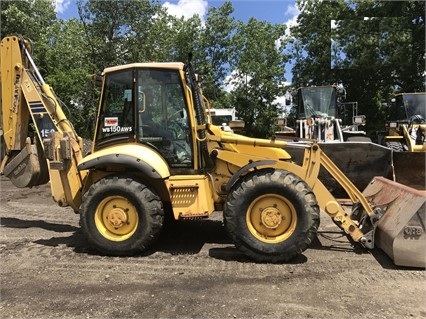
{"x": 97, "y": 80}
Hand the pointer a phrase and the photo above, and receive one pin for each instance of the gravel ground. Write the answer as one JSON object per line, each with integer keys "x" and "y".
{"x": 194, "y": 271}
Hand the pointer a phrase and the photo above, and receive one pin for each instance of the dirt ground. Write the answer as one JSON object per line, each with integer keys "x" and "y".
{"x": 47, "y": 271}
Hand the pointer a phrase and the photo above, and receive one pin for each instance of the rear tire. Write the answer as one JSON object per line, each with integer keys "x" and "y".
{"x": 121, "y": 216}
{"x": 271, "y": 215}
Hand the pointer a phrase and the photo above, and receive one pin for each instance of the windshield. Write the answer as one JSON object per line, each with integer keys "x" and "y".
{"x": 414, "y": 104}
{"x": 317, "y": 101}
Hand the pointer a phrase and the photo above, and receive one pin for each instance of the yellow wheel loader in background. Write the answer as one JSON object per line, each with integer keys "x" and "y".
{"x": 154, "y": 153}
{"x": 406, "y": 130}
{"x": 322, "y": 115}
{"x": 405, "y": 134}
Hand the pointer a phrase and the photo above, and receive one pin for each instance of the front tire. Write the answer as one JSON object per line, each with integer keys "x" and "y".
{"x": 271, "y": 215}
{"x": 121, "y": 216}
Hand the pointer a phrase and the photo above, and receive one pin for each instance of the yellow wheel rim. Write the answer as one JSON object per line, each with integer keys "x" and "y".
{"x": 271, "y": 218}
{"x": 116, "y": 218}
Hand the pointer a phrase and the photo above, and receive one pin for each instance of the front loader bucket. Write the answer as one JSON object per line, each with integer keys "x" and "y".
{"x": 400, "y": 233}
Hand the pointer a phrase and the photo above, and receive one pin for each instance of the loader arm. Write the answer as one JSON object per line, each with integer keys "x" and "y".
{"x": 385, "y": 214}
{"x": 53, "y": 151}
{"x": 362, "y": 223}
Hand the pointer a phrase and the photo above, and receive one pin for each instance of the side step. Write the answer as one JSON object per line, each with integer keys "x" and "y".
{"x": 400, "y": 232}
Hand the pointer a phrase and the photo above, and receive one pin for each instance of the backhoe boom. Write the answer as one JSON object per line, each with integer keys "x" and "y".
{"x": 25, "y": 96}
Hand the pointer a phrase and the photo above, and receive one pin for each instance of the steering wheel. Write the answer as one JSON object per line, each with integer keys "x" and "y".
{"x": 176, "y": 124}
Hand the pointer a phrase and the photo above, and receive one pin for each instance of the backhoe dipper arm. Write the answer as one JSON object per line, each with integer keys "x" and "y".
{"x": 56, "y": 148}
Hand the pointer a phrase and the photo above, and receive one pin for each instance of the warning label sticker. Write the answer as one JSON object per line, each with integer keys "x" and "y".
{"x": 111, "y": 121}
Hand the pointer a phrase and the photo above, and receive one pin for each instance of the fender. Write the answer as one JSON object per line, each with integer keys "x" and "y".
{"x": 139, "y": 157}
{"x": 246, "y": 168}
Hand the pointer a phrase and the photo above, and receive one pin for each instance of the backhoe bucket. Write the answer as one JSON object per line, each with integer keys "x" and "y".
{"x": 400, "y": 233}
{"x": 28, "y": 168}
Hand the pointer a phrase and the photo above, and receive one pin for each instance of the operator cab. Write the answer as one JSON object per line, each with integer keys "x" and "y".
{"x": 146, "y": 105}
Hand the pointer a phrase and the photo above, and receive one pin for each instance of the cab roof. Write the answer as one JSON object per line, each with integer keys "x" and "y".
{"x": 161, "y": 65}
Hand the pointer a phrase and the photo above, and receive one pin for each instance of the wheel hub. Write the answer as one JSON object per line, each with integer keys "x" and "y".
{"x": 271, "y": 217}
{"x": 117, "y": 217}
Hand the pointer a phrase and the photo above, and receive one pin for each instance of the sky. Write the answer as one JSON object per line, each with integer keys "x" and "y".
{"x": 273, "y": 11}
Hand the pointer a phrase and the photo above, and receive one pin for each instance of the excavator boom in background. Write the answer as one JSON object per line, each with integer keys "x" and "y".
{"x": 155, "y": 152}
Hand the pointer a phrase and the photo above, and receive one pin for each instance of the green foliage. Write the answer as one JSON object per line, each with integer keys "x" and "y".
{"x": 217, "y": 45}
{"x": 374, "y": 47}
{"x": 30, "y": 18}
{"x": 258, "y": 63}
{"x": 311, "y": 43}
{"x": 69, "y": 72}
{"x": 116, "y": 30}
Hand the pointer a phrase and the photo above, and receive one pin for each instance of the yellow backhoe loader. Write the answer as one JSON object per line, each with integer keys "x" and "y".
{"x": 154, "y": 153}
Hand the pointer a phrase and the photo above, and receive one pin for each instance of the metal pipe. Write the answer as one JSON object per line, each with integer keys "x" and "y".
{"x": 33, "y": 66}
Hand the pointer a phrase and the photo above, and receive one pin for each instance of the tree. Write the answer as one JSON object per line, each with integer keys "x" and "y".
{"x": 32, "y": 19}
{"x": 69, "y": 72}
{"x": 217, "y": 44}
{"x": 385, "y": 50}
{"x": 258, "y": 63}
{"x": 311, "y": 43}
{"x": 117, "y": 30}
{"x": 374, "y": 47}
